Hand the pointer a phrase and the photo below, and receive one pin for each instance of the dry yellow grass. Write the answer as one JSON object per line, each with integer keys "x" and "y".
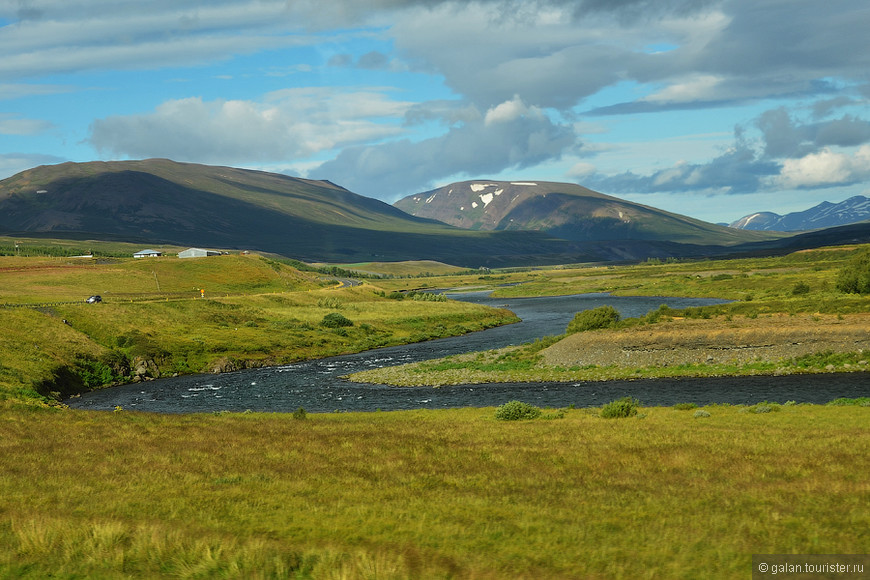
{"x": 739, "y": 339}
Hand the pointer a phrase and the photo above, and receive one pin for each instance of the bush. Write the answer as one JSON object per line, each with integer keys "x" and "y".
{"x": 300, "y": 414}
{"x": 800, "y": 288}
{"x": 854, "y": 277}
{"x": 701, "y": 414}
{"x": 601, "y": 317}
{"x": 685, "y": 406}
{"x": 335, "y": 320}
{"x": 844, "y": 401}
{"x": 517, "y": 411}
{"x": 621, "y": 408}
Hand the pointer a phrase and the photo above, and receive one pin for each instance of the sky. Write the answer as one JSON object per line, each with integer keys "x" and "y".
{"x": 708, "y": 108}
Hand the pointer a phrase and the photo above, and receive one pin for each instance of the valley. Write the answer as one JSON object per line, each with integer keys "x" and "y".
{"x": 566, "y": 492}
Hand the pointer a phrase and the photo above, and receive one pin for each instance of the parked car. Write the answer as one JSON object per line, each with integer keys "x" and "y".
{"x": 94, "y": 299}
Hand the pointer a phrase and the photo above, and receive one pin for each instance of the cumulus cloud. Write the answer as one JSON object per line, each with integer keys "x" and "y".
{"x": 475, "y": 148}
{"x": 286, "y": 124}
{"x": 825, "y": 169}
{"x": 738, "y": 170}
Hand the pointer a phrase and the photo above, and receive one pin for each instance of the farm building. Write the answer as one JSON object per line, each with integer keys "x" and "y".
{"x": 197, "y": 253}
{"x": 147, "y": 254}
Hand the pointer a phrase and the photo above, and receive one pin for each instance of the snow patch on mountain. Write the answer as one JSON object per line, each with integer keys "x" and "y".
{"x": 824, "y": 215}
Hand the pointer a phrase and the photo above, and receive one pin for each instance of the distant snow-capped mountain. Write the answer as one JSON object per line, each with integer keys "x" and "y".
{"x": 825, "y": 215}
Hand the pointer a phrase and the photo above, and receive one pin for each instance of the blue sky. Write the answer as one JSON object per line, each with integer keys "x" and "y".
{"x": 709, "y": 108}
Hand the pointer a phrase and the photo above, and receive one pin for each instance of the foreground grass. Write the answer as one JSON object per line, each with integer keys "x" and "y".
{"x": 428, "y": 494}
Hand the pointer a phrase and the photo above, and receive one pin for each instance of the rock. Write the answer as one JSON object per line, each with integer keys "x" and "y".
{"x": 144, "y": 368}
{"x": 225, "y": 365}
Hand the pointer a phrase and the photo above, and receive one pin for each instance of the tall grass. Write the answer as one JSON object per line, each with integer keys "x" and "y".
{"x": 428, "y": 494}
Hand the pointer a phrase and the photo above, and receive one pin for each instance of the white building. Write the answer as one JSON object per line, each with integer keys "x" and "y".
{"x": 197, "y": 253}
{"x": 147, "y": 254}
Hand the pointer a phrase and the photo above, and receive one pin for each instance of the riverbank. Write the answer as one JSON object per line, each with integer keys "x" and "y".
{"x": 674, "y": 346}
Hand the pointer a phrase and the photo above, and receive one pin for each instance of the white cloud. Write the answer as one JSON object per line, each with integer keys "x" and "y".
{"x": 287, "y": 124}
{"x": 696, "y": 88}
{"x": 581, "y": 169}
{"x": 13, "y": 126}
{"x": 510, "y": 111}
{"x": 825, "y": 168}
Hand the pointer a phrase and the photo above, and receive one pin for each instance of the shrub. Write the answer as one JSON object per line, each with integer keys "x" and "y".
{"x": 800, "y": 288}
{"x": 300, "y": 414}
{"x": 854, "y": 277}
{"x": 701, "y": 414}
{"x": 685, "y": 406}
{"x": 335, "y": 320}
{"x": 516, "y": 411}
{"x": 844, "y": 401}
{"x": 601, "y": 317}
{"x": 621, "y": 408}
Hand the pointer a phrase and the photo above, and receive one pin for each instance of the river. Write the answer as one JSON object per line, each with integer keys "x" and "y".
{"x": 317, "y": 385}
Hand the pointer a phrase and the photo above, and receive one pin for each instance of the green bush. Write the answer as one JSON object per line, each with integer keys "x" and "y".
{"x": 516, "y": 411}
{"x": 800, "y": 288}
{"x": 335, "y": 320}
{"x": 621, "y": 408}
{"x": 854, "y": 277}
{"x": 300, "y": 414}
{"x": 601, "y": 317}
{"x": 844, "y": 401}
{"x": 685, "y": 406}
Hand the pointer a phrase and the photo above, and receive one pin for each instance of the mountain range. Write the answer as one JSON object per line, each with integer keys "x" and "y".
{"x": 824, "y": 215}
{"x": 470, "y": 224}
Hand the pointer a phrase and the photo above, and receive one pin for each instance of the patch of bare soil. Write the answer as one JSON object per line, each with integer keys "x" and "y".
{"x": 715, "y": 341}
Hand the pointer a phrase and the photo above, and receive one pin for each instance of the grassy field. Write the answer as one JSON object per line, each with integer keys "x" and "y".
{"x": 429, "y": 494}
{"x": 154, "y": 321}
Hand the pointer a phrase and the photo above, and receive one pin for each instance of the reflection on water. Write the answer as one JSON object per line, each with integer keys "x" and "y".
{"x": 317, "y": 386}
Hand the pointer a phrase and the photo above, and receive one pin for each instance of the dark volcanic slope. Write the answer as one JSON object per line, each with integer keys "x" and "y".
{"x": 564, "y": 210}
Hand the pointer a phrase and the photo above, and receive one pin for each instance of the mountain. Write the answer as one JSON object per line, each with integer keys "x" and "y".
{"x": 824, "y": 215}
{"x": 564, "y": 210}
{"x": 162, "y": 201}
{"x": 158, "y": 201}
